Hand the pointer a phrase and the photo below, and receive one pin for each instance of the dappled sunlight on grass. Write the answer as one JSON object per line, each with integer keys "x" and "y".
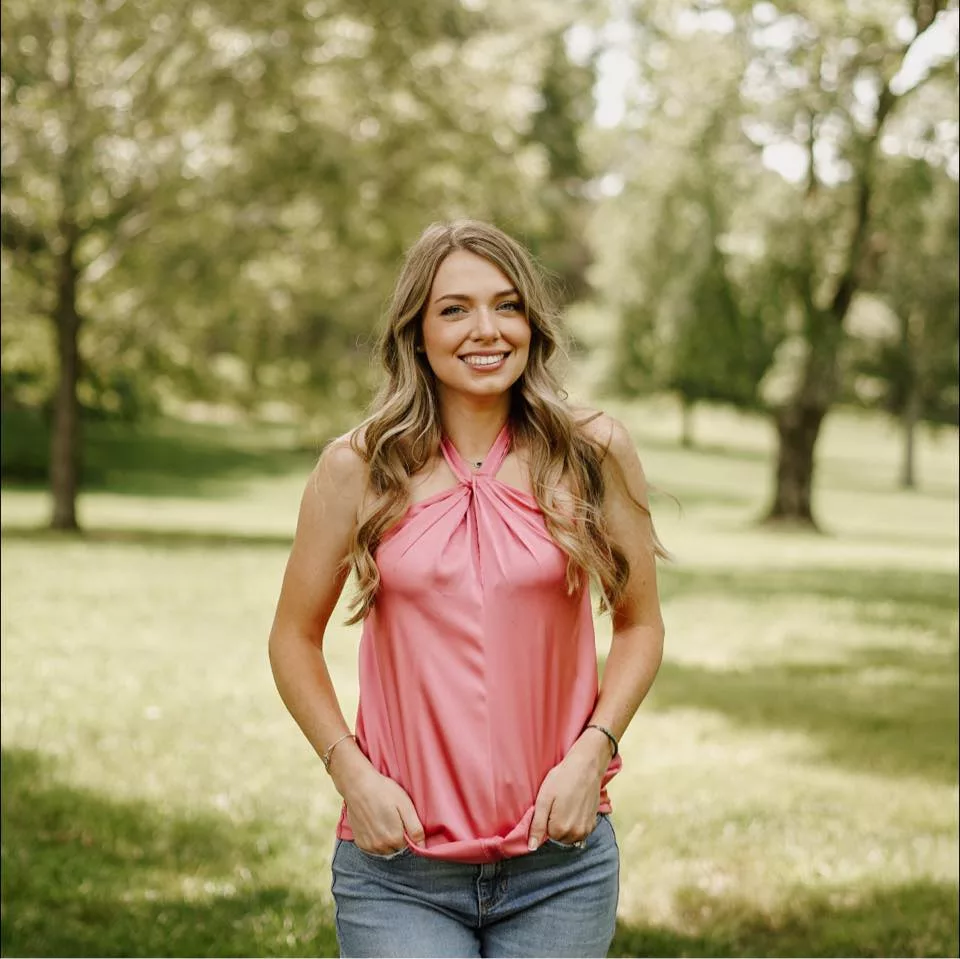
{"x": 789, "y": 787}
{"x": 159, "y": 458}
{"x": 248, "y": 507}
{"x": 125, "y": 878}
{"x": 899, "y": 727}
{"x": 756, "y": 815}
{"x": 908, "y": 919}
{"x": 808, "y": 616}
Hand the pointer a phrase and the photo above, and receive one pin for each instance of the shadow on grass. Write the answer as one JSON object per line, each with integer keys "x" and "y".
{"x": 855, "y": 479}
{"x": 923, "y": 599}
{"x": 886, "y": 709}
{"x": 915, "y": 919}
{"x": 87, "y": 876}
{"x": 726, "y": 451}
{"x": 905, "y": 725}
{"x": 681, "y": 497}
{"x": 912, "y": 538}
{"x": 84, "y": 875}
{"x": 134, "y": 536}
{"x": 156, "y": 458}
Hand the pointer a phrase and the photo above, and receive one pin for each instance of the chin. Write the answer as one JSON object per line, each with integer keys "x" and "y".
{"x": 483, "y": 389}
{"x": 490, "y": 387}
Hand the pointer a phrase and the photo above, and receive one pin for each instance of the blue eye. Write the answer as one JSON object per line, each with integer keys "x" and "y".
{"x": 450, "y": 310}
{"x": 512, "y": 305}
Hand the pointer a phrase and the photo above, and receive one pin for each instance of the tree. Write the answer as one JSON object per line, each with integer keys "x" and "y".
{"x": 914, "y": 250}
{"x": 210, "y": 200}
{"x": 822, "y": 75}
{"x": 697, "y": 316}
{"x": 566, "y": 105}
{"x": 814, "y": 89}
{"x": 80, "y": 83}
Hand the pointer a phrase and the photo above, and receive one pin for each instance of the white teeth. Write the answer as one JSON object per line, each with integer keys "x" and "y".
{"x": 484, "y": 360}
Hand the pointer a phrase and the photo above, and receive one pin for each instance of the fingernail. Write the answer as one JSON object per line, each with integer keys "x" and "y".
{"x": 532, "y": 844}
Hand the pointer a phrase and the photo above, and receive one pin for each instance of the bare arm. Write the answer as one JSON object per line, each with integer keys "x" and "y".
{"x": 637, "y": 644}
{"x": 312, "y": 584}
{"x": 379, "y": 810}
{"x": 567, "y": 801}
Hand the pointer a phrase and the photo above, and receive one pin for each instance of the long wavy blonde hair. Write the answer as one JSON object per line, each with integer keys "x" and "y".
{"x": 403, "y": 432}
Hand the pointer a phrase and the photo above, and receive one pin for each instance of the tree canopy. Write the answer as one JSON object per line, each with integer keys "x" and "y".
{"x": 209, "y": 201}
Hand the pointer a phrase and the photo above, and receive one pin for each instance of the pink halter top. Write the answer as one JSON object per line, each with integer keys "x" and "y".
{"x": 478, "y": 670}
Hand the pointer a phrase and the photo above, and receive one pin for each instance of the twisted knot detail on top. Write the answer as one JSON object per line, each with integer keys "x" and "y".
{"x": 478, "y": 669}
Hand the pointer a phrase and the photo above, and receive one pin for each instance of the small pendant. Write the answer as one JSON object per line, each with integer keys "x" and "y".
{"x": 476, "y": 464}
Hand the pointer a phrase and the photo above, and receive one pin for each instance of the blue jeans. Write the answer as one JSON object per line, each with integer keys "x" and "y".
{"x": 558, "y": 901}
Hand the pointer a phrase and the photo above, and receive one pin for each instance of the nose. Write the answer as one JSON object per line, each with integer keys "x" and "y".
{"x": 485, "y": 327}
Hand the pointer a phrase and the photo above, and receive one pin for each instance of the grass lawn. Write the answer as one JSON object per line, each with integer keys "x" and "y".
{"x": 789, "y": 788}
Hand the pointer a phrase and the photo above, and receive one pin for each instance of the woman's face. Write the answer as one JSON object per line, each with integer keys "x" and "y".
{"x": 475, "y": 331}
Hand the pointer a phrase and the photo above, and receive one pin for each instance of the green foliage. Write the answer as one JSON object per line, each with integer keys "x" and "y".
{"x": 566, "y": 106}
{"x": 736, "y": 244}
{"x": 700, "y": 317}
{"x": 244, "y": 181}
{"x": 915, "y": 249}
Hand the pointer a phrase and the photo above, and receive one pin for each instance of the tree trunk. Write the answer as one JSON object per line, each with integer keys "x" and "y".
{"x": 799, "y": 420}
{"x": 911, "y": 336}
{"x": 65, "y": 437}
{"x": 798, "y": 427}
{"x": 911, "y": 416}
{"x": 686, "y": 422}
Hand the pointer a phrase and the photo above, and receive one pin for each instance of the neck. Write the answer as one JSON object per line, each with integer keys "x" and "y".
{"x": 473, "y": 426}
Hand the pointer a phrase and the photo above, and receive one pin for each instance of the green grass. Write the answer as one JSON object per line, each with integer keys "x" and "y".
{"x": 790, "y": 786}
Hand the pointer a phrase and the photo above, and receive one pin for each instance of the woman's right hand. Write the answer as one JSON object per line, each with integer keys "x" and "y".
{"x": 379, "y": 810}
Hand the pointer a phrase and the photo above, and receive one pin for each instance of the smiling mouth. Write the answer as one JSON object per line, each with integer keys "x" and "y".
{"x": 481, "y": 361}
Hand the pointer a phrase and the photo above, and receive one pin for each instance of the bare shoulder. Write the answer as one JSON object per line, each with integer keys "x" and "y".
{"x": 340, "y": 474}
{"x": 626, "y": 502}
{"x": 625, "y": 479}
{"x": 342, "y": 456}
{"x": 608, "y": 433}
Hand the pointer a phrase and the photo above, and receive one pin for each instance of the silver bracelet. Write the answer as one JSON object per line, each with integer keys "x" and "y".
{"x": 325, "y": 758}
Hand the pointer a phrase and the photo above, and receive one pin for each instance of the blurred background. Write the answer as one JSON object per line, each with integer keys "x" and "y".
{"x": 750, "y": 210}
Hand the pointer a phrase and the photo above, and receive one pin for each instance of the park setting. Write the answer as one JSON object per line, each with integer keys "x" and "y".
{"x": 750, "y": 212}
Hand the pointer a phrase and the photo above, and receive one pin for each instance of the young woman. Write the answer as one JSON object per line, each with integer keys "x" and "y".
{"x": 475, "y": 507}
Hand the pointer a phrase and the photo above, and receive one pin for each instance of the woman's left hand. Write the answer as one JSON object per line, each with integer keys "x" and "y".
{"x": 566, "y": 807}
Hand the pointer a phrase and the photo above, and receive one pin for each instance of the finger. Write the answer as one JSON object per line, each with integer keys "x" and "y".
{"x": 412, "y": 826}
{"x": 541, "y": 816}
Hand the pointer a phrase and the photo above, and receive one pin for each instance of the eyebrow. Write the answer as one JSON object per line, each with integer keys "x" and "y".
{"x": 465, "y": 298}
